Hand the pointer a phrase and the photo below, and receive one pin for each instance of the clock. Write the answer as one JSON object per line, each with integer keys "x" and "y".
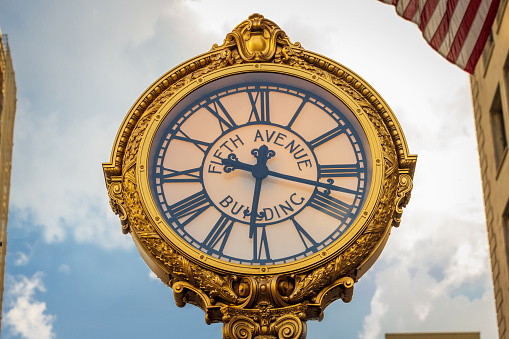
{"x": 260, "y": 181}
{"x": 265, "y": 167}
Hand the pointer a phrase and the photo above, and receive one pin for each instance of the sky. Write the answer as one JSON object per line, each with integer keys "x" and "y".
{"x": 80, "y": 65}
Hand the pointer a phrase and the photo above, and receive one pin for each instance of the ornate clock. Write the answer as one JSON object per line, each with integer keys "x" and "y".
{"x": 260, "y": 181}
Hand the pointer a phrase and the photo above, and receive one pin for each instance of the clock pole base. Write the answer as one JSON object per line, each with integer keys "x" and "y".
{"x": 266, "y": 325}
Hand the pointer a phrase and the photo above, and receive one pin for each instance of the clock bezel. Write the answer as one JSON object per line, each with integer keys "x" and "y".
{"x": 329, "y": 252}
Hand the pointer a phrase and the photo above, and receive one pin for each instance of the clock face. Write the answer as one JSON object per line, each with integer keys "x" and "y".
{"x": 260, "y": 169}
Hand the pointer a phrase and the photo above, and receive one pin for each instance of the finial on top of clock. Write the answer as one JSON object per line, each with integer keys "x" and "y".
{"x": 256, "y": 39}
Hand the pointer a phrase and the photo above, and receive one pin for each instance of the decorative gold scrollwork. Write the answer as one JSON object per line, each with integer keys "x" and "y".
{"x": 290, "y": 327}
{"x": 256, "y": 39}
{"x": 272, "y": 305}
{"x": 240, "y": 327}
{"x": 117, "y": 202}
{"x": 403, "y": 196}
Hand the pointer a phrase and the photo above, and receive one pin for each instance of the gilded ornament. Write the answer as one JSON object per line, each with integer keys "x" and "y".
{"x": 274, "y": 301}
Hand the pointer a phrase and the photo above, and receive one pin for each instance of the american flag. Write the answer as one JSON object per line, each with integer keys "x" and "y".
{"x": 456, "y": 29}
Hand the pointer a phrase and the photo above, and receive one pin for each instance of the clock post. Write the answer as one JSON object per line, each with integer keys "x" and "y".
{"x": 260, "y": 181}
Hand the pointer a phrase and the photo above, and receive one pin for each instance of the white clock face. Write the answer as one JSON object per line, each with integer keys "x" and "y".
{"x": 260, "y": 169}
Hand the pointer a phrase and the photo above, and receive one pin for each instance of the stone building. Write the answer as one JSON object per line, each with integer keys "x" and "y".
{"x": 447, "y": 335}
{"x": 7, "y": 112}
{"x": 490, "y": 96}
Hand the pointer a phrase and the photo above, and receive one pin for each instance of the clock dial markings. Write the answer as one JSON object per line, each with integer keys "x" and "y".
{"x": 219, "y": 233}
{"x": 330, "y": 205}
{"x": 215, "y": 108}
{"x": 263, "y": 246}
{"x": 304, "y": 236}
{"x": 202, "y": 145}
{"x": 296, "y": 114}
{"x": 343, "y": 170}
{"x": 326, "y": 137}
{"x": 191, "y": 206}
{"x": 259, "y": 106}
{"x": 262, "y": 203}
{"x": 190, "y": 175}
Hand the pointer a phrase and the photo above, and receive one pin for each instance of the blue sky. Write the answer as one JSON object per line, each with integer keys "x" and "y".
{"x": 80, "y": 65}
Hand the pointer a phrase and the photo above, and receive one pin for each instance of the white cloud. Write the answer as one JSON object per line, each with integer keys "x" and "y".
{"x": 21, "y": 259}
{"x": 153, "y": 276}
{"x": 64, "y": 269}
{"x": 434, "y": 275}
{"x": 75, "y": 88}
{"x": 27, "y": 317}
{"x": 413, "y": 306}
{"x": 378, "y": 310}
{"x": 62, "y": 139}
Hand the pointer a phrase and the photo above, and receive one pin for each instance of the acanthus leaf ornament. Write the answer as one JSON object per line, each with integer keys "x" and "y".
{"x": 256, "y": 40}
{"x": 262, "y": 292}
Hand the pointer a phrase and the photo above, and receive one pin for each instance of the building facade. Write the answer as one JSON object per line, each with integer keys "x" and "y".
{"x": 446, "y": 335}
{"x": 7, "y": 112}
{"x": 490, "y": 96}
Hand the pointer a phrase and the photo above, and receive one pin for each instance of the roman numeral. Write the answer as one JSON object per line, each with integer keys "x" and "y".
{"x": 259, "y": 106}
{"x": 326, "y": 137}
{"x": 202, "y": 145}
{"x": 345, "y": 170}
{"x": 262, "y": 247}
{"x": 219, "y": 234}
{"x": 216, "y": 108}
{"x": 329, "y": 205}
{"x": 304, "y": 236}
{"x": 190, "y": 207}
{"x": 296, "y": 114}
{"x": 190, "y": 175}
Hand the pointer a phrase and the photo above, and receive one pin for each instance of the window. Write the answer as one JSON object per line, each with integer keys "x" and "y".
{"x": 498, "y": 128}
{"x": 500, "y": 11}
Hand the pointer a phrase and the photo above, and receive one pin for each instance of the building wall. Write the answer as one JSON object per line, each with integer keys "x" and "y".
{"x": 448, "y": 335}
{"x": 490, "y": 96}
{"x": 7, "y": 112}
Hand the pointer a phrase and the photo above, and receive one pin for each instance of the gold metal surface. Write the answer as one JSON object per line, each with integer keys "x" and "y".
{"x": 260, "y": 301}
{"x": 7, "y": 113}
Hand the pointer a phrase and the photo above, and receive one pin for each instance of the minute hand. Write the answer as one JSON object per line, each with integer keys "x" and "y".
{"x": 311, "y": 182}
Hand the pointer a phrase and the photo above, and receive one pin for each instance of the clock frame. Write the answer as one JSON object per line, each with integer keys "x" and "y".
{"x": 260, "y": 301}
{"x": 217, "y": 264}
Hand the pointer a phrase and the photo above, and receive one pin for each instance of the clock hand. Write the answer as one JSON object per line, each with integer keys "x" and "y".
{"x": 232, "y": 163}
{"x": 254, "y": 207}
{"x": 328, "y": 186}
{"x": 259, "y": 171}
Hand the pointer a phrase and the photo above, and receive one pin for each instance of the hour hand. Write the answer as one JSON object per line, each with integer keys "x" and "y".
{"x": 232, "y": 163}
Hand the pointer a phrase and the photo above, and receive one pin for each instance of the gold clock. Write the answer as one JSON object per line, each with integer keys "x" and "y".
{"x": 260, "y": 181}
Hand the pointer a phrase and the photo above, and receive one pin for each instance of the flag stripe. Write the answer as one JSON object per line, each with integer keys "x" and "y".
{"x": 443, "y": 28}
{"x": 434, "y": 23}
{"x": 400, "y": 7}
{"x": 427, "y": 12}
{"x": 472, "y": 36}
{"x": 464, "y": 28}
{"x": 483, "y": 37}
{"x": 455, "y": 22}
{"x": 457, "y": 30}
{"x": 411, "y": 9}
